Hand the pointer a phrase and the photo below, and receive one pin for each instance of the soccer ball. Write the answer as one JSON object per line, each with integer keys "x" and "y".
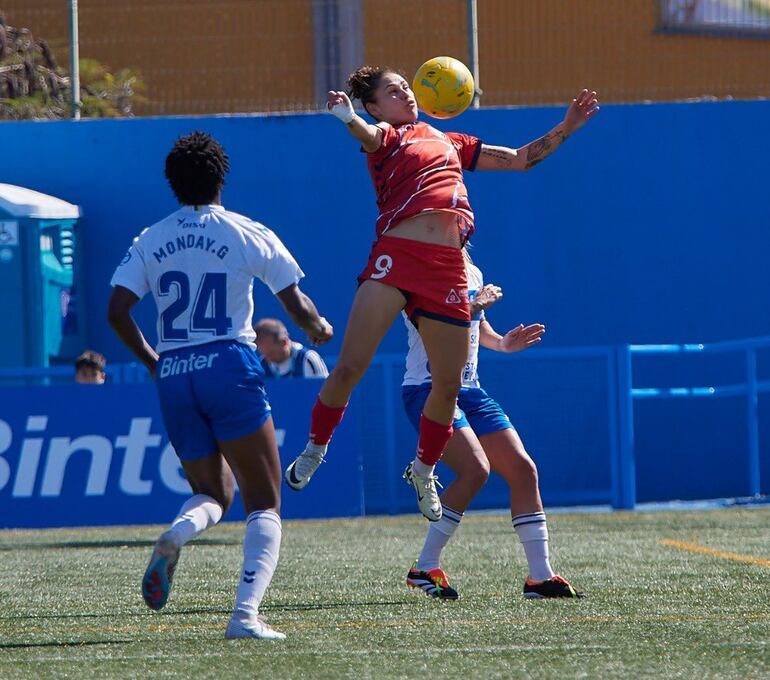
{"x": 443, "y": 87}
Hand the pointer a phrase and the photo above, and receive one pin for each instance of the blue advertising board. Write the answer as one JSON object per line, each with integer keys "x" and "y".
{"x": 81, "y": 455}
{"x": 674, "y": 250}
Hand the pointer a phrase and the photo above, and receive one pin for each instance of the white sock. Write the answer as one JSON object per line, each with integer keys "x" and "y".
{"x": 199, "y": 513}
{"x": 438, "y": 536}
{"x": 421, "y": 468}
{"x": 261, "y": 546}
{"x": 533, "y": 534}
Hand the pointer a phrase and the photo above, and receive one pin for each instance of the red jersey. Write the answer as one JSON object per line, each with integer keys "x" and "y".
{"x": 418, "y": 169}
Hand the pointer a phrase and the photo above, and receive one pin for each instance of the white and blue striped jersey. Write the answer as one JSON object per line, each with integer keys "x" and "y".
{"x": 199, "y": 263}
{"x": 417, "y": 366}
{"x": 303, "y": 362}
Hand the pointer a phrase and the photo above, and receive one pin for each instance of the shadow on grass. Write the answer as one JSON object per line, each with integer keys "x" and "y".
{"x": 204, "y": 610}
{"x": 67, "y": 545}
{"x": 70, "y": 643}
{"x": 330, "y": 605}
{"x": 112, "y": 615}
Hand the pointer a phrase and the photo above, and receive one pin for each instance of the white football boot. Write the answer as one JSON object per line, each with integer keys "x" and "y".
{"x": 298, "y": 474}
{"x": 427, "y": 496}
{"x": 254, "y": 627}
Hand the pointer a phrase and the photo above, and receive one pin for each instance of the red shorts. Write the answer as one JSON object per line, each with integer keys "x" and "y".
{"x": 432, "y": 277}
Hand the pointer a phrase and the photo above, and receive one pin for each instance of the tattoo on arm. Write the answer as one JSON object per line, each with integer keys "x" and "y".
{"x": 540, "y": 148}
{"x": 502, "y": 158}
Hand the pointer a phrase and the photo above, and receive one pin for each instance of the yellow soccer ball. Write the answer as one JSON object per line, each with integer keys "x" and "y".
{"x": 443, "y": 87}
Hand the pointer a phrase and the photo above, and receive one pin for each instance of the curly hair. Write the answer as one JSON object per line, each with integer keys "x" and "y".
{"x": 364, "y": 81}
{"x": 196, "y": 167}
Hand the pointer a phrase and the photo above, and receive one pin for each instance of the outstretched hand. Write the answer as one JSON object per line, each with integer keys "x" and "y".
{"x": 333, "y": 98}
{"x": 486, "y": 297}
{"x": 522, "y": 337}
{"x": 584, "y": 107}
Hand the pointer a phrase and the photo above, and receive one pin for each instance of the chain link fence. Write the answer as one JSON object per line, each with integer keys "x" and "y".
{"x": 227, "y": 56}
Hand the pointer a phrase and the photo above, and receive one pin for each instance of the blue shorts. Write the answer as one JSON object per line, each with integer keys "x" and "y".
{"x": 475, "y": 409}
{"x": 208, "y": 393}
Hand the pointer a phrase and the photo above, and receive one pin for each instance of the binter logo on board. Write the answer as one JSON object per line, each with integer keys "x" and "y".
{"x": 34, "y": 462}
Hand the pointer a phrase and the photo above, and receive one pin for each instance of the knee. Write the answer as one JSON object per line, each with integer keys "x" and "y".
{"x": 526, "y": 468}
{"x": 446, "y": 388}
{"x": 475, "y": 472}
{"x": 348, "y": 372}
{"x": 480, "y": 473}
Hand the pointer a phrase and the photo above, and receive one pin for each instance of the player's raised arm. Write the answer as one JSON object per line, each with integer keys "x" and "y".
{"x": 303, "y": 312}
{"x": 583, "y": 108}
{"x": 340, "y": 106}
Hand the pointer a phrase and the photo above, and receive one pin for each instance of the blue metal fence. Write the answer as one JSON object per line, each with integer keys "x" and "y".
{"x": 574, "y": 408}
{"x": 119, "y": 374}
{"x": 628, "y": 394}
{"x": 562, "y": 402}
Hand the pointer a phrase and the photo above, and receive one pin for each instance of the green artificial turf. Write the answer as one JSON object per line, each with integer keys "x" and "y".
{"x": 71, "y": 605}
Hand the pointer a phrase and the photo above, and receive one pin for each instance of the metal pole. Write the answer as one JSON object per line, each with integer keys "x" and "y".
{"x": 391, "y": 446}
{"x": 74, "y": 62}
{"x": 613, "y": 421}
{"x": 473, "y": 48}
{"x": 752, "y": 418}
{"x": 624, "y": 471}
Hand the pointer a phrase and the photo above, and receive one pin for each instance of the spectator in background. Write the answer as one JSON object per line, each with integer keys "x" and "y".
{"x": 284, "y": 358}
{"x": 89, "y": 368}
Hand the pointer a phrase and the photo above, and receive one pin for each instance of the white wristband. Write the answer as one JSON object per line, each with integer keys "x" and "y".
{"x": 343, "y": 111}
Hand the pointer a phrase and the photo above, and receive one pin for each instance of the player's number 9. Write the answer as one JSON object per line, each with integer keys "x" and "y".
{"x": 383, "y": 265}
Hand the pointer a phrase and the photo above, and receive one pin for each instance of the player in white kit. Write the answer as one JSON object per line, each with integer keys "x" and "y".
{"x": 199, "y": 263}
{"x": 483, "y": 439}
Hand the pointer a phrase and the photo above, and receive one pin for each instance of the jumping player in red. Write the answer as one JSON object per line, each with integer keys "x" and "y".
{"x": 416, "y": 264}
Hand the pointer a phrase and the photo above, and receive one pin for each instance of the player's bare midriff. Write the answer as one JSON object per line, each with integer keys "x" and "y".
{"x": 436, "y": 226}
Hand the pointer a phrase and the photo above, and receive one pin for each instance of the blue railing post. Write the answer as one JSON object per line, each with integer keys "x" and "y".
{"x": 613, "y": 419}
{"x": 623, "y": 464}
{"x": 389, "y": 411}
{"x": 752, "y": 419}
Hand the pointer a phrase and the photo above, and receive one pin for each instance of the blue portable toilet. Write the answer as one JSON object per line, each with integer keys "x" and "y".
{"x": 39, "y": 295}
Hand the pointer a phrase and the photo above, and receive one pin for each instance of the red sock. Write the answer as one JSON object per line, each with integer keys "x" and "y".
{"x": 323, "y": 421}
{"x": 433, "y": 440}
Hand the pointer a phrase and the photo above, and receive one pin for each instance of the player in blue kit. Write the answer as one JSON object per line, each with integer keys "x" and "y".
{"x": 199, "y": 263}
{"x": 483, "y": 439}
